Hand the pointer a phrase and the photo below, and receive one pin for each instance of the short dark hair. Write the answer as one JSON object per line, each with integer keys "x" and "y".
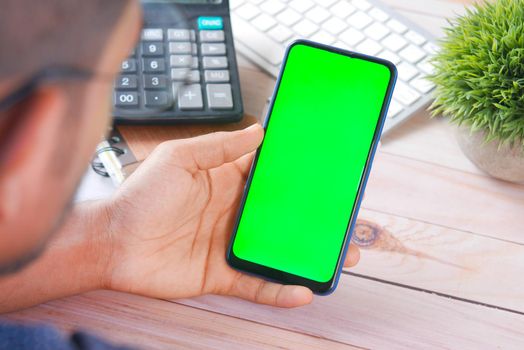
{"x": 43, "y": 33}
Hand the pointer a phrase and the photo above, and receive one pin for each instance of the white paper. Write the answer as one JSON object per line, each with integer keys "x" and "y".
{"x": 94, "y": 186}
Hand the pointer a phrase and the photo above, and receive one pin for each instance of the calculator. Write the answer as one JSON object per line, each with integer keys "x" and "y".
{"x": 183, "y": 69}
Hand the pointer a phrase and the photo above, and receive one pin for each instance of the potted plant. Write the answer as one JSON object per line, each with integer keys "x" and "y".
{"x": 479, "y": 78}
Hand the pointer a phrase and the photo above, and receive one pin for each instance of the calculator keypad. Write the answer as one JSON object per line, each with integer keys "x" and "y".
{"x": 126, "y": 99}
{"x": 126, "y": 82}
{"x": 177, "y": 69}
{"x": 219, "y": 96}
{"x": 153, "y": 49}
{"x": 154, "y": 82}
{"x": 190, "y": 97}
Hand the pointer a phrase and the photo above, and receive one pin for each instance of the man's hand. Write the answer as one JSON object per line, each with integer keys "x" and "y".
{"x": 170, "y": 223}
{"x": 163, "y": 235}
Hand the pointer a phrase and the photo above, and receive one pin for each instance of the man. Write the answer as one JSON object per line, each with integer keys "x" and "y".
{"x": 163, "y": 234}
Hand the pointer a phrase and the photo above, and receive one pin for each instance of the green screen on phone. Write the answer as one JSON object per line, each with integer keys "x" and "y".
{"x": 312, "y": 161}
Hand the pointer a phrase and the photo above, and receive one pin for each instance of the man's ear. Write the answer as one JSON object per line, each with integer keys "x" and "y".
{"x": 29, "y": 134}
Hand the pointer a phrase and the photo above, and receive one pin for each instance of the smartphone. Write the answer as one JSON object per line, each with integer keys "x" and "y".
{"x": 304, "y": 189}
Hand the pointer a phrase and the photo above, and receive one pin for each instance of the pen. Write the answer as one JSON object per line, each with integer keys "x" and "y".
{"x": 111, "y": 163}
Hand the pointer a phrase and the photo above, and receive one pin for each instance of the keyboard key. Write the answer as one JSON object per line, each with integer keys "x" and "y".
{"x": 265, "y": 47}
{"x": 422, "y": 84}
{"x": 323, "y": 37}
{"x": 406, "y": 71}
{"x": 272, "y": 7}
{"x": 305, "y": 28}
{"x": 125, "y": 82}
{"x": 152, "y": 49}
{"x": 264, "y": 22}
{"x": 334, "y": 25}
{"x": 394, "y": 42}
{"x": 415, "y": 37}
{"x": 412, "y": 54}
{"x": 207, "y": 36}
{"x": 247, "y": 11}
{"x": 213, "y": 49}
{"x": 216, "y": 76}
{"x": 280, "y": 33}
{"x": 301, "y": 5}
{"x": 289, "y": 17}
{"x": 342, "y": 9}
{"x": 210, "y": 23}
{"x": 431, "y": 48}
{"x": 377, "y": 31}
{"x": 378, "y": 14}
{"x": 390, "y": 56}
{"x": 158, "y": 100}
{"x": 154, "y": 65}
{"x": 219, "y": 96}
{"x": 426, "y": 66}
{"x": 152, "y": 34}
{"x": 404, "y": 94}
{"x": 233, "y": 4}
{"x": 178, "y": 35}
{"x": 328, "y": 3}
{"x": 293, "y": 38}
{"x": 351, "y": 37}
{"x": 394, "y": 108}
{"x": 341, "y": 45}
{"x": 155, "y": 81}
{"x": 397, "y": 26}
{"x": 214, "y": 62}
{"x": 361, "y": 4}
{"x": 369, "y": 47}
{"x": 126, "y": 99}
{"x": 359, "y": 20}
{"x": 317, "y": 14}
{"x": 190, "y": 97}
{"x": 129, "y": 65}
{"x": 180, "y": 48}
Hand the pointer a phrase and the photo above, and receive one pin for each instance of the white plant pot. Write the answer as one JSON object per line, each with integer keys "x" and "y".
{"x": 505, "y": 163}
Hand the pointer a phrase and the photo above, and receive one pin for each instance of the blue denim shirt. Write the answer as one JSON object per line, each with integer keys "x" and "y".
{"x": 42, "y": 337}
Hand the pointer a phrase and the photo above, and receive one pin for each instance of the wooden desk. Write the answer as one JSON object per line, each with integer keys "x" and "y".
{"x": 445, "y": 269}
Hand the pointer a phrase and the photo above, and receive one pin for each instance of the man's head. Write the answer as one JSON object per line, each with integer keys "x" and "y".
{"x": 47, "y": 139}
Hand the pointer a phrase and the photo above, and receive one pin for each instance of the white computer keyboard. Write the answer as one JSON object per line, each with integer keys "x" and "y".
{"x": 263, "y": 28}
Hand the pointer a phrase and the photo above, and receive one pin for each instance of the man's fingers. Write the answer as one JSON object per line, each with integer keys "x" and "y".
{"x": 264, "y": 292}
{"x": 212, "y": 150}
{"x": 269, "y": 293}
{"x": 353, "y": 256}
{"x": 243, "y": 163}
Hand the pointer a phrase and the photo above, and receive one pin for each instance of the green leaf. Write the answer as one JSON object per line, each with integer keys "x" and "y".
{"x": 479, "y": 71}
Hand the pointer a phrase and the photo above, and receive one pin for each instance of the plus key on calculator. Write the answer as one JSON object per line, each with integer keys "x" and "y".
{"x": 184, "y": 67}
